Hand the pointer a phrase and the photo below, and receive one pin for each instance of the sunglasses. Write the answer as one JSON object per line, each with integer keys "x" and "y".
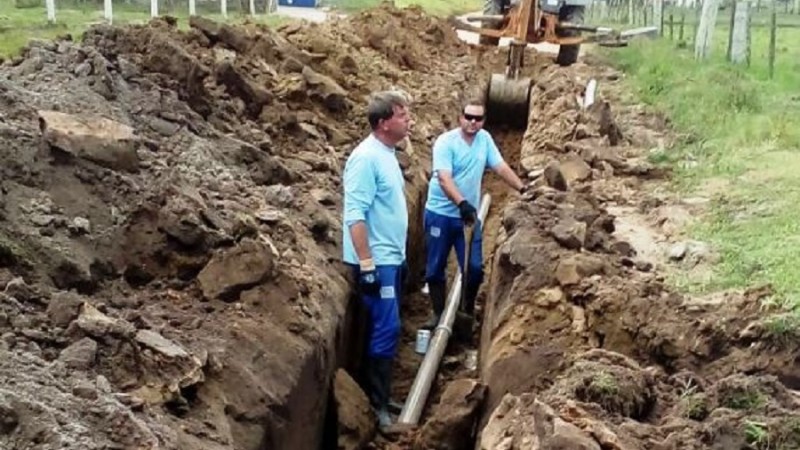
{"x": 469, "y": 117}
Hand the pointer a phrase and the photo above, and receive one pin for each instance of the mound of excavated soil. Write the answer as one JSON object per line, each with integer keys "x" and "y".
{"x": 583, "y": 345}
{"x": 170, "y": 225}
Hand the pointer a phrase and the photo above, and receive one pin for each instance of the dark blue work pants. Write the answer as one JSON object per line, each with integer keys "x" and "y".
{"x": 442, "y": 233}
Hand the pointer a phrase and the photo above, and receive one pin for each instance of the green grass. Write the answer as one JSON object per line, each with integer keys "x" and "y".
{"x": 757, "y": 434}
{"x": 19, "y": 25}
{"x": 741, "y": 149}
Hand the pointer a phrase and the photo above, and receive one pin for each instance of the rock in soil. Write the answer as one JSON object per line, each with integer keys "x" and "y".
{"x": 231, "y": 271}
{"x": 453, "y": 419}
{"x": 97, "y": 139}
{"x": 356, "y": 420}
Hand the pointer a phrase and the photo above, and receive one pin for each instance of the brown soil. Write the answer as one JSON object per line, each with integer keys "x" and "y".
{"x": 579, "y": 326}
{"x": 170, "y": 277}
{"x": 170, "y": 274}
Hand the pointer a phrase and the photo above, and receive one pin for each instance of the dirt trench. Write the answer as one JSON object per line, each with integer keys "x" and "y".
{"x": 583, "y": 345}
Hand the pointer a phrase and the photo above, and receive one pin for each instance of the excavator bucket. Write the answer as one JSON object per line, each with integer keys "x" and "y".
{"x": 508, "y": 94}
{"x": 508, "y": 100}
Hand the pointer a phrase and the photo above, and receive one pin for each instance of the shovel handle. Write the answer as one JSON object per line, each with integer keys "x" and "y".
{"x": 469, "y": 230}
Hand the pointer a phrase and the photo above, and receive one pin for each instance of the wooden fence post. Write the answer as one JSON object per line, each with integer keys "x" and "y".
{"x": 108, "y": 13}
{"x": 740, "y": 33}
{"x": 223, "y": 6}
{"x": 658, "y": 16}
{"x": 680, "y": 29}
{"x": 192, "y": 8}
{"x": 749, "y": 37}
{"x": 730, "y": 30}
{"x": 153, "y": 8}
{"x": 773, "y": 28}
{"x": 630, "y": 12}
{"x": 671, "y": 27}
{"x": 51, "y": 11}
{"x": 705, "y": 29}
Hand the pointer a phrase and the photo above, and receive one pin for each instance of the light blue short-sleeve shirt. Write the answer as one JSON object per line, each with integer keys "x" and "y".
{"x": 374, "y": 193}
{"x": 466, "y": 163}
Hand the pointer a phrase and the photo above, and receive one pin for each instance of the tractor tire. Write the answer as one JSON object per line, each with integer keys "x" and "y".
{"x": 568, "y": 54}
{"x": 491, "y": 7}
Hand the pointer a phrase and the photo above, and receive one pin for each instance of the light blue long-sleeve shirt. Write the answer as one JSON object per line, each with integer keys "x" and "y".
{"x": 373, "y": 193}
{"x": 466, "y": 163}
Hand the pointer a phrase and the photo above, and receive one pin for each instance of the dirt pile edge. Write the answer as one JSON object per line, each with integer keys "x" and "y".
{"x": 583, "y": 344}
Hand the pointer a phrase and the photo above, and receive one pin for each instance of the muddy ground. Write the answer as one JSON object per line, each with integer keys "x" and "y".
{"x": 170, "y": 233}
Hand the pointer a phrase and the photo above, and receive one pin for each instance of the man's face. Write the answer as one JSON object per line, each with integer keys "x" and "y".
{"x": 472, "y": 119}
{"x": 398, "y": 126}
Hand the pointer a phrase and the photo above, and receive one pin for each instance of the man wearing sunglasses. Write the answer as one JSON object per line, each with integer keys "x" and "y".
{"x": 460, "y": 157}
{"x": 375, "y": 229}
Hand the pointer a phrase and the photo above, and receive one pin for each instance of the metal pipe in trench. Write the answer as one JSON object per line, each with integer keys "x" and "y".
{"x": 418, "y": 395}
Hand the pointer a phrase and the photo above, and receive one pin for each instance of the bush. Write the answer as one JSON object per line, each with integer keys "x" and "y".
{"x": 27, "y": 4}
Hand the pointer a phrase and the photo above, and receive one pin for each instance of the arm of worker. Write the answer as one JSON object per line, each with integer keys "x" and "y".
{"x": 359, "y": 193}
{"x": 507, "y": 174}
{"x": 449, "y": 186}
{"x": 501, "y": 168}
{"x": 358, "y": 232}
{"x": 443, "y": 170}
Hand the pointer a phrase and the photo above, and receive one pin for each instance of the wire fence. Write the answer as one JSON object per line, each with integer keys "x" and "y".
{"x": 752, "y": 33}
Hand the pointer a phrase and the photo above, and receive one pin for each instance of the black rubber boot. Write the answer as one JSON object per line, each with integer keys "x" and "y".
{"x": 395, "y": 407}
{"x": 465, "y": 318}
{"x": 468, "y": 303}
{"x": 437, "y": 293}
{"x": 379, "y": 378}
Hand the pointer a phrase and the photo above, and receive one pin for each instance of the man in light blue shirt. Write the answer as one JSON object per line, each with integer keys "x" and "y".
{"x": 375, "y": 228}
{"x": 460, "y": 157}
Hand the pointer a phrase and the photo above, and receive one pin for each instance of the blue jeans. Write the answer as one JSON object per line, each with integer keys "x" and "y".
{"x": 442, "y": 233}
{"x": 384, "y": 312}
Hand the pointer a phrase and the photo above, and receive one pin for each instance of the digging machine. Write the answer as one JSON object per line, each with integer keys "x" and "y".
{"x": 558, "y": 22}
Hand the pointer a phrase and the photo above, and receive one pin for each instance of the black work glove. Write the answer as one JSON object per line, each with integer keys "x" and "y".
{"x": 468, "y": 212}
{"x": 369, "y": 283}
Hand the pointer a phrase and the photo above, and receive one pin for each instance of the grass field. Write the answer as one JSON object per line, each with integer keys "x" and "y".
{"x": 19, "y": 25}
{"x": 742, "y": 151}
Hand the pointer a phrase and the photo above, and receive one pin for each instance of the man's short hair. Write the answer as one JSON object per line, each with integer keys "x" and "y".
{"x": 381, "y": 106}
{"x": 472, "y": 101}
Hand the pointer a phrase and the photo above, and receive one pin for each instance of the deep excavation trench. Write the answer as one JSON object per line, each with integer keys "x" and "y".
{"x": 582, "y": 345}
{"x": 416, "y": 307}
{"x": 169, "y": 276}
